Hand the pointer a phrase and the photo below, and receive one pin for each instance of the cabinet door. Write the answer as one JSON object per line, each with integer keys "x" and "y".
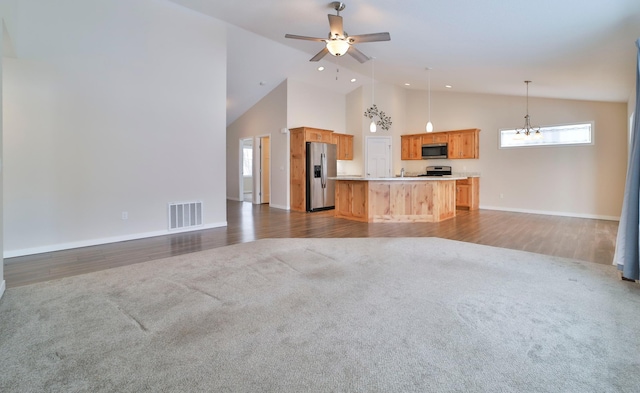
{"x": 463, "y": 144}
{"x": 454, "y": 146}
{"x": 415, "y": 149}
{"x": 462, "y": 195}
{"x": 468, "y": 146}
{"x": 346, "y": 146}
{"x": 298, "y": 171}
{"x": 437, "y": 137}
{"x": 405, "y": 144}
{"x": 317, "y": 135}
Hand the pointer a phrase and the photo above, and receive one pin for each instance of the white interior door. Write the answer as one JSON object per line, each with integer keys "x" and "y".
{"x": 378, "y": 156}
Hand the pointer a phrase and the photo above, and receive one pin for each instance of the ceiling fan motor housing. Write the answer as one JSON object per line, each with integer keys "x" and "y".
{"x": 338, "y": 6}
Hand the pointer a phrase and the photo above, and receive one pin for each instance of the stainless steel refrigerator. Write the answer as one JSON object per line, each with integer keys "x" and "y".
{"x": 321, "y": 165}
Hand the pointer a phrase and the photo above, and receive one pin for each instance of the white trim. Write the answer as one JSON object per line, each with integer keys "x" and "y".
{"x": 107, "y": 240}
{"x": 278, "y": 206}
{"x": 3, "y": 286}
{"x": 552, "y": 213}
{"x": 235, "y": 199}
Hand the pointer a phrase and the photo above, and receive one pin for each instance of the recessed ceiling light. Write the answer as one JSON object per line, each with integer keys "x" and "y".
{"x": 353, "y": 80}
{"x": 448, "y": 86}
{"x": 407, "y": 84}
{"x": 321, "y": 68}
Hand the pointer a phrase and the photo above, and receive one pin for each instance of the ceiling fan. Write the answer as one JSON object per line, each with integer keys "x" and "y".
{"x": 339, "y": 42}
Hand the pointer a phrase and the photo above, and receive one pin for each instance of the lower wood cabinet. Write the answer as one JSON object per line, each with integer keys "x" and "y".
{"x": 351, "y": 200}
{"x": 468, "y": 193}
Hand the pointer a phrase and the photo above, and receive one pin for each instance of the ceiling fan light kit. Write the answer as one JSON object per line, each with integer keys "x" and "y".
{"x": 339, "y": 42}
{"x": 337, "y": 47}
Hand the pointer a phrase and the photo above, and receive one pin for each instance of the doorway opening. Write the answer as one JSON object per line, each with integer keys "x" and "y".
{"x": 246, "y": 170}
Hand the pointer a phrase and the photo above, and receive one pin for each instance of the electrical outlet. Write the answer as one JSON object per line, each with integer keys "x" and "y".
{"x": 125, "y": 215}
{"x": 501, "y": 195}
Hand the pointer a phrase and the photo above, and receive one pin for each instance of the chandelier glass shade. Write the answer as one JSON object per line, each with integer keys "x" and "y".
{"x": 337, "y": 46}
{"x": 528, "y": 131}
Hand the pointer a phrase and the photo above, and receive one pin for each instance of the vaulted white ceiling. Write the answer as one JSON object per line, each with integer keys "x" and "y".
{"x": 574, "y": 49}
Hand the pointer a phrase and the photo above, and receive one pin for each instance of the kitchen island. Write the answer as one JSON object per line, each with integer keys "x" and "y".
{"x": 396, "y": 199}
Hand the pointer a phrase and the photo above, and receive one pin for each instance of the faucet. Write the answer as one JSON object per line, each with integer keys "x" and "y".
{"x": 402, "y": 172}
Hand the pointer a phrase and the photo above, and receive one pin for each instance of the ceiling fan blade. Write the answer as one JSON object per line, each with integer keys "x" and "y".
{"x": 320, "y": 54}
{"x": 373, "y": 37}
{"x": 301, "y": 37}
{"x": 356, "y": 54}
{"x": 335, "y": 26}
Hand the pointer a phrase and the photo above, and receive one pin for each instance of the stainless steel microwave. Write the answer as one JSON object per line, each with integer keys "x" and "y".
{"x": 434, "y": 150}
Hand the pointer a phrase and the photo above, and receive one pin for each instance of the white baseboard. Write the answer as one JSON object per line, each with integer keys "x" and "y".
{"x": 3, "y": 286}
{"x": 235, "y": 199}
{"x": 97, "y": 242}
{"x": 552, "y": 213}
{"x": 278, "y": 206}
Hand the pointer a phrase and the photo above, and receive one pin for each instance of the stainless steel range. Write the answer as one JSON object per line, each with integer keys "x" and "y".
{"x": 444, "y": 170}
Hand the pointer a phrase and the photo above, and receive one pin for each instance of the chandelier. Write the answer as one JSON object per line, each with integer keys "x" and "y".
{"x": 528, "y": 131}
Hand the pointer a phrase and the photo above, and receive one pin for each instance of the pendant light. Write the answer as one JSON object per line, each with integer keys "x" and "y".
{"x": 528, "y": 131}
{"x": 372, "y": 126}
{"x": 429, "y": 126}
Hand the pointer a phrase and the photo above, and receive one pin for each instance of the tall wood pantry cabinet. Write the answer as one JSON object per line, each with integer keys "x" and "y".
{"x": 298, "y": 139}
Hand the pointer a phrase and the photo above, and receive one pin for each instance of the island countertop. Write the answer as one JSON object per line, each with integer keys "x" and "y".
{"x": 406, "y": 178}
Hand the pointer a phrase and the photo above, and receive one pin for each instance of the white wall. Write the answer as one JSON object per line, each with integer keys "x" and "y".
{"x": 267, "y": 117}
{"x": 310, "y": 106}
{"x": 291, "y": 104}
{"x": 2, "y": 53}
{"x": 355, "y": 124}
{"x": 110, "y": 106}
{"x": 585, "y": 181}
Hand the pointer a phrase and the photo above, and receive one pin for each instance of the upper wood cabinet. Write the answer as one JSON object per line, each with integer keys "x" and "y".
{"x": 461, "y": 144}
{"x": 435, "y": 137}
{"x": 464, "y": 144}
{"x": 411, "y": 147}
{"x": 344, "y": 143}
{"x": 317, "y": 135}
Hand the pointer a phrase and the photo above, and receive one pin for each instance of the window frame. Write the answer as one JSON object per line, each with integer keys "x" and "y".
{"x": 549, "y": 128}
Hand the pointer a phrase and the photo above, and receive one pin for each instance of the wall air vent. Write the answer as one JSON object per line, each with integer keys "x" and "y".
{"x": 185, "y": 215}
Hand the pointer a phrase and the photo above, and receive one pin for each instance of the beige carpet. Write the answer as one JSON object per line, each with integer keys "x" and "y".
{"x": 328, "y": 315}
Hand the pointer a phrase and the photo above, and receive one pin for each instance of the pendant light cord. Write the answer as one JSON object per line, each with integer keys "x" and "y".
{"x": 373, "y": 81}
{"x": 429, "y": 95}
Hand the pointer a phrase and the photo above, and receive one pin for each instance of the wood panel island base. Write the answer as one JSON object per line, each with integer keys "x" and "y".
{"x": 396, "y": 199}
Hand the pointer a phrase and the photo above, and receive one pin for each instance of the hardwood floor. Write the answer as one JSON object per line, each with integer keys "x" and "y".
{"x": 579, "y": 238}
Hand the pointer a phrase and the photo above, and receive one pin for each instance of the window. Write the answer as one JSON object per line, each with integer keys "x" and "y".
{"x": 570, "y": 134}
{"x": 247, "y": 160}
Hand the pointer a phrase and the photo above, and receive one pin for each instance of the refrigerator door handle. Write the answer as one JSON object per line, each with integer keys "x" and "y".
{"x": 323, "y": 174}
